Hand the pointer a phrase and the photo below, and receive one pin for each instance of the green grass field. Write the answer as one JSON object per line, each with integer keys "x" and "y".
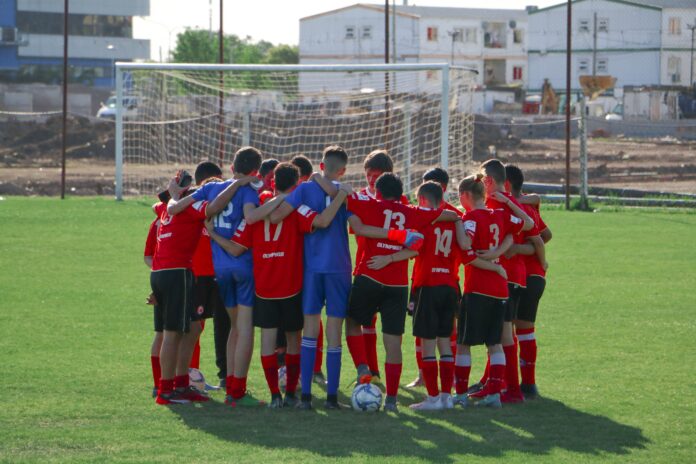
{"x": 616, "y": 367}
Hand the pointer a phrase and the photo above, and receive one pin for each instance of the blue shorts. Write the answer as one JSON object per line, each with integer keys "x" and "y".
{"x": 236, "y": 287}
{"x": 330, "y": 289}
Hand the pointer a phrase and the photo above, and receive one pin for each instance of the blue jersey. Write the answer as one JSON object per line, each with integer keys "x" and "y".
{"x": 325, "y": 250}
{"x": 227, "y": 221}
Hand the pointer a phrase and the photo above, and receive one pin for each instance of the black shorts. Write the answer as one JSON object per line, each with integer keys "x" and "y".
{"x": 434, "y": 311}
{"x": 173, "y": 290}
{"x": 529, "y": 299}
{"x": 283, "y": 313}
{"x": 368, "y": 297}
{"x": 480, "y": 320}
{"x": 513, "y": 302}
{"x": 206, "y": 298}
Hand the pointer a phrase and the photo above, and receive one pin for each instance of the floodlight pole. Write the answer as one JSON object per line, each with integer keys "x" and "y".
{"x": 386, "y": 75}
{"x": 65, "y": 98}
{"x": 221, "y": 116}
{"x": 569, "y": 30}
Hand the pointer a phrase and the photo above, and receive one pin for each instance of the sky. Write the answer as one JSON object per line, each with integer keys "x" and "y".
{"x": 252, "y": 18}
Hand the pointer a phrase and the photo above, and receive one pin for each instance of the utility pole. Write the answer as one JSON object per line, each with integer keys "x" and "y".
{"x": 393, "y": 32}
{"x": 386, "y": 74}
{"x": 65, "y": 98}
{"x": 569, "y": 34}
{"x": 454, "y": 34}
{"x": 221, "y": 116}
{"x": 691, "y": 69}
{"x": 594, "y": 45}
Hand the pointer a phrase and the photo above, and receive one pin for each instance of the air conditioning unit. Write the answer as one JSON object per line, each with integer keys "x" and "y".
{"x": 8, "y": 35}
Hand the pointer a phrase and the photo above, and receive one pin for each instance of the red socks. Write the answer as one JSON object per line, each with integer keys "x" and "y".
{"x": 512, "y": 378}
{"x": 446, "y": 374}
{"x": 487, "y": 371}
{"x": 165, "y": 386}
{"x": 528, "y": 355}
{"x": 229, "y": 382}
{"x": 370, "y": 337}
{"x": 196, "y": 355}
{"x": 429, "y": 376}
{"x": 393, "y": 373}
{"x": 181, "y": 381}
{"x": 270, "y": 370}
{"x": 497, "y": 373}
{"x": 356, "y": 346}
{"x": 462, "y": 375}
{"x": 292, "y": 372}
{"x": 453, "y": 340}
{"x": 156, "y": 370}
{"x": 419, "y": 354}
{"x": 236, "y": 387}
{"x": 320, "y": 348}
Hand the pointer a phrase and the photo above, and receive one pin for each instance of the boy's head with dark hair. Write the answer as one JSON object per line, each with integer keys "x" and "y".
{"x": 286, "y": 177}
{"x": 471, "y": 189}
{"x": 514, "y": 178}
{"x": 429, "y": 194}
{"x": 247, "y": 161}
{"x": 207, "y": 170}
{"x": 377, "y": 163}
{"x": 304, "y": 165}
{"x": 266, "y": 173}
{"x": 389, "y": 186}
{"x": 438, "y": 175}
{"x": 493, "y": 172}
{"x": 334, "y": 161}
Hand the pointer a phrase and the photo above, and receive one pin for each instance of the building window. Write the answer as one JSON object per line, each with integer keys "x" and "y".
{"x": 517, "y": 73}
{"x": 518, "y": 36}
{"x": 674, "y": 69}
{"x": 584, "y": 25}
{"x": 603, "y": 25}
{"x": 33, "y": 22}
{"x": 432, "y": 34}
{"x": 583, "y": 66}
{"x": 350, "y": 32}
{"x": 674, "y": 26}
{"x": 470, "y": 35}
{"x": 367, "y": 32}
{"x": 493, "y": 35}
{"x": 603, "y": 65}
{"x": 458, "y": 34}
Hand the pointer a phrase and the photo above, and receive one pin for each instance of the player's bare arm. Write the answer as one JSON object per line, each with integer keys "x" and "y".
{"x": 520, "y": 249}
{"x": 489, "y": 266}
{"x": 229, "y": 246}
{"x": 176, "y": 203}
{"x": 537, "y": 242}
{"x": 253, "y": 213}
{"x": 324, "y": 219}
{"x": 530, "y": 199}
{"x": 516, "y": 210}
{"x": 382, "y": 261}
{"x": 463, "y": 240}
{"x": 448, "y": 216}
{"x": 148, "y": 261}
{"x": 495, "y": 253}
{"x": 546, "y": 235}
{"x": 222, "y": 200}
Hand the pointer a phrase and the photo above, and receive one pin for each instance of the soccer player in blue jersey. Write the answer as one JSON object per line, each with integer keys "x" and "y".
{"x": 327, "y": 273}
{"x": 234, "y": 274}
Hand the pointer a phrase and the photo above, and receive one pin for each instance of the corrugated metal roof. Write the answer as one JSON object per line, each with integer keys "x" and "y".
{"x": 667, "y": 3}
{"x": 437, "y": 12}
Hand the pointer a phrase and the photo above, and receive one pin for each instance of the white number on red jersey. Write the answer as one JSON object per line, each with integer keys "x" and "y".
{"x": 443, "y": 242}
{"x": 267, "y": 230}
{"x": 398, "y": 218}
{"x": 495, "y": 230}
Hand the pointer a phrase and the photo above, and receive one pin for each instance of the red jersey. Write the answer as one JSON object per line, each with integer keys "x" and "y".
{"x": 387, "y": 214}
{"x": 487, "y": 228}
{"x": 277, "y": 251}
{"x": 531, "y": 262}
{"x": 151, "y": 242}
{"x": 178, "y": 236}
{"x": 515, "y": 265}
{"x": 203, "y": 256}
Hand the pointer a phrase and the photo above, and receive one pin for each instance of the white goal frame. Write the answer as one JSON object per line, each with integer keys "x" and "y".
{"x": 123, "y": 67}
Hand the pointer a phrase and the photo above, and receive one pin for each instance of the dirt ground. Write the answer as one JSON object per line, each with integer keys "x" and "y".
{"x": 30, "y": 161}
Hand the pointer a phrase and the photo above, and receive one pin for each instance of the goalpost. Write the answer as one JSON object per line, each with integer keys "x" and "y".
{"x": 172, "y": 116}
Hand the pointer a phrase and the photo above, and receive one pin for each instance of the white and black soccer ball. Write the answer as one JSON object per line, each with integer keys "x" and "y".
{"x": 196, "y": 379}
{"x": 366, "y": 397}
{"x": 282, "y": 378}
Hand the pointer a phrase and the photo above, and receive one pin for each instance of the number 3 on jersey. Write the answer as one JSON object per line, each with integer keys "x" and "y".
{"x": 397, "y": 218}
{"x": 495, "y": 230}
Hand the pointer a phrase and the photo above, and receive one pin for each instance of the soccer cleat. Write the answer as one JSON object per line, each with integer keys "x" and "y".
{"x": 248, "y": 401}
{"x": 530, "y": 391}
{"x": 192, "y": 394}
{"x": 154, "y": 392}
{"x": 171, "y": 398}
{"x": 511, "y": 398}
{"x": 229, "y": 400}
{"x": 474, "y": 388}
{"x": 319, "y": 378}
{"x": 209, "y": 387}
{"x": 304, "y": 405}
{"x": 483, "y": 392}
{"x": 332, "y": 404}
{"x": 290, "y": 400}
{"x": 490, "y": 401}
{"x": 390, "y": 404}
{"x": 417, "y": 382}
{"x": 364, "y": 374}
{"x": 276, "y": 402}
{"x": 375, "y": 374}
{"x": 223, "y": 383}
{"x": 431, "y": 403}
{"x": 461, "y": 400}
{"x": 447, "y": 401}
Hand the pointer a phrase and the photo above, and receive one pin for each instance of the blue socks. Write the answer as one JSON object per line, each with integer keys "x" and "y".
{"x": 308, "y": 352}
{"x": 333, "y": 370}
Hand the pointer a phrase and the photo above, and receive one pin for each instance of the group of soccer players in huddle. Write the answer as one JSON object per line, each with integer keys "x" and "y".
{"x": 269, "y": 248}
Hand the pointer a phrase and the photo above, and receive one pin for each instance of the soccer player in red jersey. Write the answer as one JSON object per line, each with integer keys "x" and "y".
{"x": 497, "y": 198}
{"x": 148, "y": 256}
{"x": 482, "y": 309}
{"x": 381, "y": 279}
{"x": 277, "y": 251}
{"x": 536, "y": 266}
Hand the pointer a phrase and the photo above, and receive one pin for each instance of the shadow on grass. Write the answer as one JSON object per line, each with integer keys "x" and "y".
{"x": 536, "y": 428}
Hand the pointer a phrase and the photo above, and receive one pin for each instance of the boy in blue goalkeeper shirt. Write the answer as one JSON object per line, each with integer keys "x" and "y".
{"x": 234, "y": 274}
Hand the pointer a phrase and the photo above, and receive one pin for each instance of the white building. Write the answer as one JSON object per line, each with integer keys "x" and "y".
{"x": 492, "y": 41}
{"x": 677, "y": 18}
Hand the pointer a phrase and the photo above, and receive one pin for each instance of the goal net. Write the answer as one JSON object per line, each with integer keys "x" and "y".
{"x": 173, "y": 116}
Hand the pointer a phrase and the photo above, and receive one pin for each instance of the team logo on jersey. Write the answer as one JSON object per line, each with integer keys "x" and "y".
{"x": 515, "y": 220}
{"x": 470, "y": 226}
{"x": 304, "y": 210}
{"x": 362, "y": 197}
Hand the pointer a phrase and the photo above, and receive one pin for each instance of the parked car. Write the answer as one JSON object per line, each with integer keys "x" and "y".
{"x": 616, "y": 114}
{"x": 108, "y": 109}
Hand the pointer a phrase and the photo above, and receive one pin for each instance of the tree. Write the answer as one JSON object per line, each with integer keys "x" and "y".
{"x": 199, "y": 46}
{"x": 283, "y": 54}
